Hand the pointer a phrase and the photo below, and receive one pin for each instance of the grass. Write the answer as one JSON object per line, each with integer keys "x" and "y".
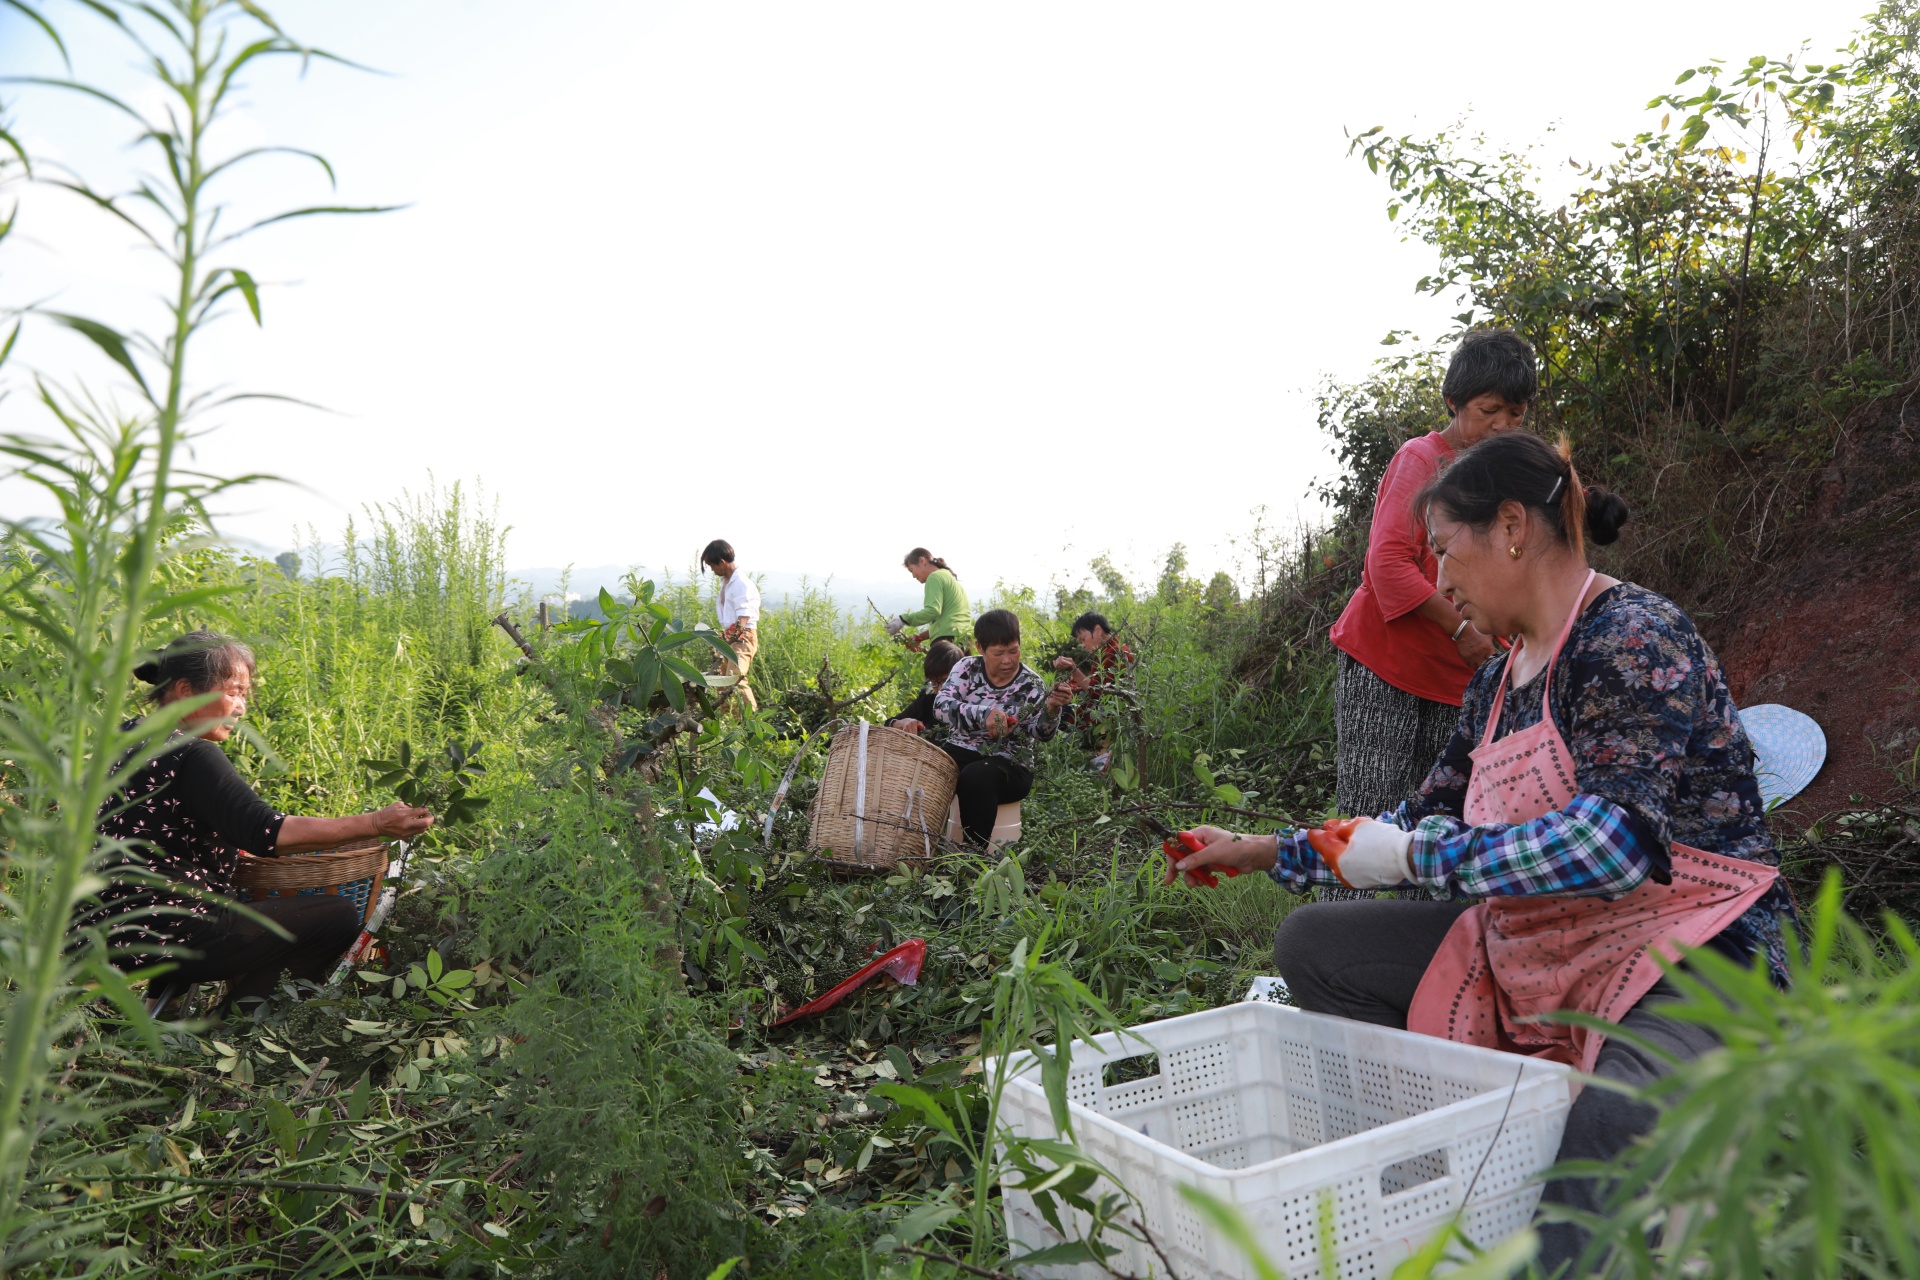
{"x": 392, "y": 643}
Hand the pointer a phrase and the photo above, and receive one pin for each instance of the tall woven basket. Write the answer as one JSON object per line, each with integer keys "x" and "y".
{"x": 354, "y": 871}
{"x": 883, "y": 797}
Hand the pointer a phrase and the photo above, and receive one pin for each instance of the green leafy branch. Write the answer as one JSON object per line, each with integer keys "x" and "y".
{"x": 440, "y": 783}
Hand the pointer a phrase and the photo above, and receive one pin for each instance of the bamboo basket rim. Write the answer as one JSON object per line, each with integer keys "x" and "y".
{"x": 360, "y": 860}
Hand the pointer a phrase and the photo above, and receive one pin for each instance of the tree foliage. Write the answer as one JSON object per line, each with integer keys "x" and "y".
{"x": 1644, "y": 290}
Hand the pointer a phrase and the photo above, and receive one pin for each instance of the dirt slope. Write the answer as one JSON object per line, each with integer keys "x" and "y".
{"x": 1833, "y": 626}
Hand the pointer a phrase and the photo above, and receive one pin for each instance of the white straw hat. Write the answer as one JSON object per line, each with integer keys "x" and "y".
{"x": 1788, "y": 749}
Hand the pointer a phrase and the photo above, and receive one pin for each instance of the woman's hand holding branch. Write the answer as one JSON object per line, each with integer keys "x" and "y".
{"x": 399, "y": 821}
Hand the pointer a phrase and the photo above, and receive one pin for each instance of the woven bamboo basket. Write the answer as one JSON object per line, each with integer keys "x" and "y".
{"x": 883, "y": 798}
{"x": 354, "y": 871}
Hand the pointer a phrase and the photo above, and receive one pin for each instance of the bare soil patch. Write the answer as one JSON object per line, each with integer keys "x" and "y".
{"x": 1832, "y": 627}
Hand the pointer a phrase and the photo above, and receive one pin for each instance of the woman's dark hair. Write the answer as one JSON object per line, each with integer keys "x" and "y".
{"x": 918, "y": 554}
{"x": 719, "y": 551}
{"x": 1497, "y": 360}
{"x": 204, "y": 659}
{"x": 996, "y": 626}
{"x": 942, "y": 657}
{"x": 1517, "y": 466}
{"x": 1088, "y": 621}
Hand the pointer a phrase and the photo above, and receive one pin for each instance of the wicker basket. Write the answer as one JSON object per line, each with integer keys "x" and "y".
{"x": 354, "y": 871}
{"x": 883, "y": 797}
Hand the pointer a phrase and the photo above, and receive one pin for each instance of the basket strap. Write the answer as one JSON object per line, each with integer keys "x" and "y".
{"x": 860, "y": 791}
{"x": 917, "y": 800}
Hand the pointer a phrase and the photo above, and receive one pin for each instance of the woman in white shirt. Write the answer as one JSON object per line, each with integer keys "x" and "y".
{"x": 739, "y": 610}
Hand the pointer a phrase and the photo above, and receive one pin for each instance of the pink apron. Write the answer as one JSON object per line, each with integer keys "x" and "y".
{"x": 1510, "y": 959}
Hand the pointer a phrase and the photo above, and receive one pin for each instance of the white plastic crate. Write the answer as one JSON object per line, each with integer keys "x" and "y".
{"x": 1277, "y": 1111}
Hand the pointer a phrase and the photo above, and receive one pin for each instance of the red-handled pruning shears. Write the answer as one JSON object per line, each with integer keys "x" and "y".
{"x": 1177, "y": 845}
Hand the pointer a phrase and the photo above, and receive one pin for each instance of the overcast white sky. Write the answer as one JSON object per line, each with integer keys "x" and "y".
{"x": 1022, "y": 282}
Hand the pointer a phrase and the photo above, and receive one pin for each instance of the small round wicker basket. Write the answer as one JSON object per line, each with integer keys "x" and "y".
{"x": 882, "y": 799}
{"x": 354, "y": 871}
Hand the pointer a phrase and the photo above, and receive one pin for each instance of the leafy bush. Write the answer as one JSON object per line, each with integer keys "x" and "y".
{"x": 1708, "y": 304}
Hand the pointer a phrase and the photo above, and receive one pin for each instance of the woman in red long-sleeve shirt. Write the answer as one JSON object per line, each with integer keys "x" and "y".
{"x": 1406, "y": 654}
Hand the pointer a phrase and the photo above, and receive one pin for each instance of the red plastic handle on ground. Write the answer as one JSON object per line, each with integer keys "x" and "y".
{"x": 902, "y": 964}
{"x": 1179, "y": 846}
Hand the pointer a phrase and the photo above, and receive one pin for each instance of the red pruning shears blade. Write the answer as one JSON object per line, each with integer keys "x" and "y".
{"x": 1179, "y": 847}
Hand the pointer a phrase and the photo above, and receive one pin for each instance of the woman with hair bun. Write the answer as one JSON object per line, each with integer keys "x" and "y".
{"x": 185, "y": 817}
{"x": 1596, "y": 806}
{"x": 945, "y": 611}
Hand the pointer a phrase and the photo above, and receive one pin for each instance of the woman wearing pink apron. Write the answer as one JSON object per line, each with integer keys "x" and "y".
{"x": 1596, "y": 808}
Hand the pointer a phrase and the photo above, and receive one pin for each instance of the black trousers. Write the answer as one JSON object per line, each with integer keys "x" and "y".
{"x": 250, "y": 958}
{"x": 986, "y": 783}
{"x": 1364, "y": 960}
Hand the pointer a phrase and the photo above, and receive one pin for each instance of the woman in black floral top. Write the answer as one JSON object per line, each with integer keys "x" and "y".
{"x": 184, "y": 819}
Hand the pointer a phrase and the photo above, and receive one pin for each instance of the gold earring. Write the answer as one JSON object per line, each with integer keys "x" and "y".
{"x": 1513, "y": 553}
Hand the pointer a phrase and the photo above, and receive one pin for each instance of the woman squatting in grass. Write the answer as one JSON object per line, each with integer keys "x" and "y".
{"x": 184, "y": 820}
{"x": 1106, "y": 663}
{"x": 917, "y": 716}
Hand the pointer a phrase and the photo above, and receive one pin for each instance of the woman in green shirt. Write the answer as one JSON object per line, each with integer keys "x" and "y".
{"x": 946, "y": 613}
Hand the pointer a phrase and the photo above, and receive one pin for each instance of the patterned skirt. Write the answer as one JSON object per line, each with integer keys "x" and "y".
{"x": 1388, "y": 741}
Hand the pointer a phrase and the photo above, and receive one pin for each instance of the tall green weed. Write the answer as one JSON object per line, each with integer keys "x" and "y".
{"x": 391, "y": 642}
{"x": 623, "y": 1097}
{"x": 84, "y": 592}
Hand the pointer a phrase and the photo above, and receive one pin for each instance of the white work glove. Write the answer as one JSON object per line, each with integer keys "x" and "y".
{"x": 895, "y": 625}
{"x": 1373, "y": 855}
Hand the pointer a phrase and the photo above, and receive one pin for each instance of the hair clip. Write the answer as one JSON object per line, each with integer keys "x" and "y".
{"x": 1553, "y": 493}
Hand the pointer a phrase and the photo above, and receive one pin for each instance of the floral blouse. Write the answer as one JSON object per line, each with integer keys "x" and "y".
{"x": 968, "y": 697}
{"x": 188, "y": 815}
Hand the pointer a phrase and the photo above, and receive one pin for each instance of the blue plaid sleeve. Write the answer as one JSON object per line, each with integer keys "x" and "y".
{"x": 1591, "y": 848}
{"x": 1296, "y": 864}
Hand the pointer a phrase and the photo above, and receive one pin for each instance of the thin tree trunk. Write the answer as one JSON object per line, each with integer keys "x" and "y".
{"x": 1740, "y": 294}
